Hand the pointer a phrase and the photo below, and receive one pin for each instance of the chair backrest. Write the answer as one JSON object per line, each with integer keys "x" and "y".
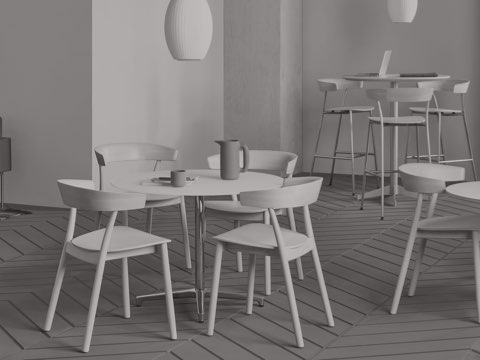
{"x": 109, "y": 153}
{"x": 338, "y": 84}
{"x": 455, "y": 86}
{"x": 81, "y": 194}
{"x": 401, "y": 94}
{"x": 264, "y": 160}
{"x": 296, "y": 192}
{"x": 429, "y": 178}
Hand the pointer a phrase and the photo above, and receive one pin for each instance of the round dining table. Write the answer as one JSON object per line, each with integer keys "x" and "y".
{"x": 394, "y": 80}
{"x": 466, "y": 190}
{"x": 202, "y": 183}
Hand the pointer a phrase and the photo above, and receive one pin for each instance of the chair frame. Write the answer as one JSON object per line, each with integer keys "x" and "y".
{"x": 331, "y": 85}
{"x": 297, "y": 192}
{"x": 80, "y": 194}
{"x": 123, "y": 152}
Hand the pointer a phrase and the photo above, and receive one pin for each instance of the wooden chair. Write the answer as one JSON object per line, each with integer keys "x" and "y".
{"x": 430, "y": 180}
{"x": 344, "y": 86}
{"x": 394, "y": 95}
{"x": 100, "y": 246}
{"x": 272, "y": 240}
{"x": 123, "y": 152}
{"x": 453, "y": 87}
{"x": 279, "y": 162}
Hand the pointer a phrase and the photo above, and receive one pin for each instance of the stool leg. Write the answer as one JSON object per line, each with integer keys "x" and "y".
{"x": 364, "y": 180}
{"x": 352, "y": 154}
{"x": 439, "y": 138}
{"x": 406, "y": 144}
{"x": 335, "y": 150}
{"x": 469, "y": 146}
{"x": 318, "y": 142}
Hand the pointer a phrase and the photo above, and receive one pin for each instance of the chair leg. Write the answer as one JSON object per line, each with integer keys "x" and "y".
{"x": 476, "y": 258}
{"x": 352, "y": 154}
{"x": 470, "y": 151}
{"x": 317, "y": 143}
{"x": 335, "y": 150}
{"x": 374, "y": 155}
{"x": 364, "y": 180}
{"x": 406, "y": 257}
{"x": 186, "y": 239}
{"x": 323, "y": 287}
{"x": 236, "y": 224}
{"x": 149, "y": 222}
{"x": 125, "y": 218}
{"x": 125, "y": 289}
{"x": 215, "y": 284}
{"x": 251, "y": 282}
{"x": 268, "y": 262}
{"x": 293, "y": 227}
{"x": 56, "y": 291}
{"x": 168, "y": 292}
{"x": 98, "y": 220}
{"x": 93, "y": 306}
{"x": 382, "y": 171}
{"x": 418, "y": 266}
{"x": 292, "y": 302}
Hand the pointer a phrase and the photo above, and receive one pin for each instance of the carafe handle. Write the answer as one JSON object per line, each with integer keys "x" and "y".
{"x": 246, "y": 158}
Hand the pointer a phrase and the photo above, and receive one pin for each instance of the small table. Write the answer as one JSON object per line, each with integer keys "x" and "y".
{"x": 394, "y": 80}
{"x": 467, "y": 190}
{"x": 208, "y": 183}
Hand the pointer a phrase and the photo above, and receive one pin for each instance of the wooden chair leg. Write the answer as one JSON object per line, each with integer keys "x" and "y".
{"x": 168, "y": 292}
{"x": 149, "y": 221}
{"x": 56, "y": 291}
{"x": 251, "y": 282}
{"x": 92, "y": 311}
{"x": 125, "y": 289}
{"x": 186, "y": 239}
{"x": 292, "y": 302}
{"x": 323, "y": 287}
{"x": 418, "y": 266}
{"x": 215, "y": 284}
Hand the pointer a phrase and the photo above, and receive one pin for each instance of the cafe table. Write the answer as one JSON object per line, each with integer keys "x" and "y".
{"x": 466, "y": 190}
{"x": 394, "y": 80}
{"x": 206, "y": 183}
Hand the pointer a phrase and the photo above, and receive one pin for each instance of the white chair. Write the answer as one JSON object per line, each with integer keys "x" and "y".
{"x": 273, "y": 240}
{"x": 428, "y": 180}
{"x": 450, "y": 86}
{"x": 123, "y": 152}
{"x": 341, "y": 85}
{"x": 280, "y": 162}
{"x": 394, "y": 95}
{"x": 111, "y": 243}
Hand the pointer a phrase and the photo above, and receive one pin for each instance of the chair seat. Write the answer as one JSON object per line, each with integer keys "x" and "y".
{"x": 468, "y": 222}
{"x": 434, "y": 110}
{"x": 232, "y": 207}
{"x": 123, "y": 239}
{"x": 159, "y": 201}
{"x": 262, "y": 236}
{"x": 347, "y": 109}
{"x": 400, "y": 120}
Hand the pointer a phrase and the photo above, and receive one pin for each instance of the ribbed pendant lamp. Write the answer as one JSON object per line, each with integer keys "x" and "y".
{"x": 188, "y": 29}
{"x": 402, "y": 10}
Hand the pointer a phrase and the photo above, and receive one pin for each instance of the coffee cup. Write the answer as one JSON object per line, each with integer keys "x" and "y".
{"x": 178, "y": 178}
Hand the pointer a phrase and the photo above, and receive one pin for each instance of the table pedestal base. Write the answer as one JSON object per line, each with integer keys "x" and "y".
{"x": 390, "y": 199}
{"x": 199, "y": 296}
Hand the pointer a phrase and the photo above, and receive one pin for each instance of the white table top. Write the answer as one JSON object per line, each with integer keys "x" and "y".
{"x": 395, "y": 78}
{"x": 467, "y": 190}
{"x": 208, "y": 183}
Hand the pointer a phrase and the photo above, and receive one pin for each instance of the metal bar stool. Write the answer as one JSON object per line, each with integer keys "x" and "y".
{"x": 330, "y": 85}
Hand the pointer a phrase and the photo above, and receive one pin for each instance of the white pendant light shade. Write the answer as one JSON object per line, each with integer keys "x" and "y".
{"x": 402, "y": 10}
{"x": 188, "y": 29}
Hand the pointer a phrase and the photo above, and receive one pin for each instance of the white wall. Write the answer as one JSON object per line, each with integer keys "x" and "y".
{"x": 349, "y": 36}
{"x": 45, "y": 95}
{"x": 141, "y": 94}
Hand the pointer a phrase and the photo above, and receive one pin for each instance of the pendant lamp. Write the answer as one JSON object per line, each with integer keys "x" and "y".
{"x": 188, "y": 29}
{"x": 402, "y": 10}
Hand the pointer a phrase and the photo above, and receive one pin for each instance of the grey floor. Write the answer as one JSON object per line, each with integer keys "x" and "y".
{"x": 360, "y": 255}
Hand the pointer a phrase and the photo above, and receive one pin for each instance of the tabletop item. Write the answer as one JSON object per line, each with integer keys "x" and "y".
{"x": 273, "y": 240}
{"x": 229, "y": 159}
{"x": 207, "y": 183}
{"x": 114, "y": 243}
{"x": 178, "y": 178}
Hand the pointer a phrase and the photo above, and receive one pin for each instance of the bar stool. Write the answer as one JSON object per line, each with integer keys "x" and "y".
{"x": 393, "y": 95}
{"x": 330, "y": 85}
{"x": 452, "y": 86}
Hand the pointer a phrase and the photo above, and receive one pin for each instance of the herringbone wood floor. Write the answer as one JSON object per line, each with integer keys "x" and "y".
{"x": 360, "y": 255}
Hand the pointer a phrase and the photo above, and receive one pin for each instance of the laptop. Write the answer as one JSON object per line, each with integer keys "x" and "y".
{"x": 383, "y": 67}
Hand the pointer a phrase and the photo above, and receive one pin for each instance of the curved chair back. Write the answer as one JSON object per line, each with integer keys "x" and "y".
{"x": 109, "y": 153}
{"x": 455, "y": 86}
{"x": 429, "y": 178}
{"x": 338, "y": 84}
{"x": 265, "y": 160}
{"x": 401, "y": 94}
{"x": 81, "y": 194}
{"x": 296, "y": 192}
